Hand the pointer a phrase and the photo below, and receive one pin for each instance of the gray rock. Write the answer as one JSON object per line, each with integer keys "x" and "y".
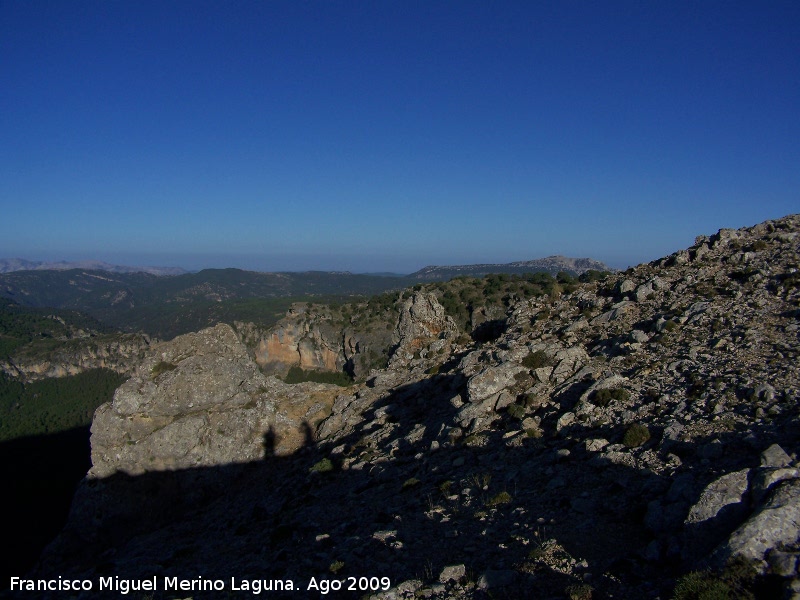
{"x": 773, "y": 524}
{"x": 210, "y": 406}
{"x": 496, "y": 579}
{"x": 503, "y": 400}
{"x": 765, "y": 478}
{"x": 568, "y": 361}
{"x": 724, "y": 494}
{"x": 565, "y": 420}
{"x": 492, "y": 380}
{"x": 643, "y": 292}
{"x": 422, "y": 320}
{"x": 453, "y": 573}
{"x": 596, "y": 445}
{"x": 775, "y": 456}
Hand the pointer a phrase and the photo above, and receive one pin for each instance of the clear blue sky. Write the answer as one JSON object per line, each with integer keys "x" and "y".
{"x": 385, "y": 136}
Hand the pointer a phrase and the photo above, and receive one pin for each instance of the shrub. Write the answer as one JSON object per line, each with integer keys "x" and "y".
{"x": 579, "y": 591}
{"x": 536, "y": 360}
{"x": 604, "y": 397}
{"x": 410, "y": 482}
{"x": 336, "y": 566}
{"x": 701, "y": 586}
{"x": 298, "y": 375}
{"x": 636, "y": 435}
{"x": 516, "y": 410}
{"x": 161, "y": 367}
{"x": 497, "y": 500}
{"x": 323, "y": 466}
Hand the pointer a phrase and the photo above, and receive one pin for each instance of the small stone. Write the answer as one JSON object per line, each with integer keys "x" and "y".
{"x": 775, "y": 456}
{"x": 453, "y": 573}
{"x": 496, "y": 579}
{"x": 596, "y": 445}
{"x": 565, "y": 420}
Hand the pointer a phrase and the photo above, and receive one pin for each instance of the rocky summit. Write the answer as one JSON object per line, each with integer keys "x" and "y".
{"x": 634, "y": 439}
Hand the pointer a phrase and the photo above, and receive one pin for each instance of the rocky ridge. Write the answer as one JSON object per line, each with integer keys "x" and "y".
{"x": 607, "y": 442}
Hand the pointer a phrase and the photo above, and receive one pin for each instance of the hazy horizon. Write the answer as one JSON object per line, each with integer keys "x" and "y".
{"x": 255, "y": 263}
{"x": 384, "y": 137}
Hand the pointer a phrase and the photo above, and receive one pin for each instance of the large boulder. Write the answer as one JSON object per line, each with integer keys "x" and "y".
{"x": 200, "y": 400}
{"x": 422, "y": 320}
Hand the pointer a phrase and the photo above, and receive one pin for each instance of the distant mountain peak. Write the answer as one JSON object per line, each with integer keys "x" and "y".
{"x": 9, "y": 265}
{"x": 550, "y": 264}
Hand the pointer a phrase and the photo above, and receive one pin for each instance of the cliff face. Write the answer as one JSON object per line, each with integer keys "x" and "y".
{"x": 306, "y": 343}
{"x": 117, "y": 352}
{"x": 613, "y": 438}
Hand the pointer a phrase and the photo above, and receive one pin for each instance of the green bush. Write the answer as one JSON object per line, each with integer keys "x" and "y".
{"x": 498, "y": 499}
{"x": 516, "y": 410}
{"x": 604, "y": 397}
{"x": 323, "y": 466}
{"x": 410, "y": 482}
{"x": 636, "y": 435}
{"x": 536, "y": 360}
{"x": 579, "y": 591}
{"x": 298, "y": 375}
{"x": 701, "y": 585}
{"x": 336, "y": 566}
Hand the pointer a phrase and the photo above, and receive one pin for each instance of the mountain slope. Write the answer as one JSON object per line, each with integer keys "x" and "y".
{"x": 606, "y": 443}
{"x": 167, "y": 306}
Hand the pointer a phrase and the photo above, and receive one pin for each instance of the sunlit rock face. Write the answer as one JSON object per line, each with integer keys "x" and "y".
{"x": 294, "y": 344}
{"x": 200, "y": 400}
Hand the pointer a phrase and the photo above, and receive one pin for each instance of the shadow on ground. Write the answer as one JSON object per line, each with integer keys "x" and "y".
{"x": 400, "y": 499}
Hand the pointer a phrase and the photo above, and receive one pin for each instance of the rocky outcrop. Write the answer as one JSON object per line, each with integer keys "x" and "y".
{"x": 421, "y": 326}
{"x": 605, "y": 444}
{"x": 310, "y": 338}
{"x": 199, "y": 400}
{"x": 302, "y": 342}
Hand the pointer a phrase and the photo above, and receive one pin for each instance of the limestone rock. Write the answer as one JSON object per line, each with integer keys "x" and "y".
{"x": 492, "y": 380}
{"x": 773, "y": 524}
{"x": 200, "y": 400}
{"x": 422, "y": 320}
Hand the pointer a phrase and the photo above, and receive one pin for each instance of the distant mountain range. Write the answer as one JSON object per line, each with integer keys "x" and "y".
{"x": 9, "y": 265}
{"x": 551, "y": 264}
{"x": 145, "y": 299}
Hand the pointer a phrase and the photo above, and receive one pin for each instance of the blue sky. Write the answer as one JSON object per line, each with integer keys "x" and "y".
{"x": 385, "y": 136}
